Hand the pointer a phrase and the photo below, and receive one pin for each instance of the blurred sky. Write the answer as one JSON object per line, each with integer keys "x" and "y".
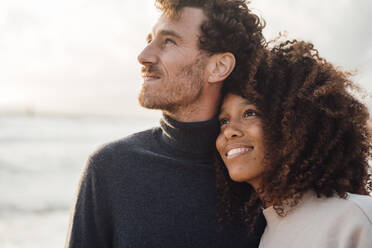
{"x": 80, "y": 56}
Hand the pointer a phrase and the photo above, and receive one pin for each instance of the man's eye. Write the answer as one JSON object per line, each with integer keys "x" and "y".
{"x": 249, "y": 112}
{"x": 169, "y": 41}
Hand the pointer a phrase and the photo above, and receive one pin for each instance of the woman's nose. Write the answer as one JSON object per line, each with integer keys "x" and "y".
{"x": 232, "y": 131}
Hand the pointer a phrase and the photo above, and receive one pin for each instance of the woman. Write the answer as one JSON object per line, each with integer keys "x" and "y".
{"x": 300, "y": 140}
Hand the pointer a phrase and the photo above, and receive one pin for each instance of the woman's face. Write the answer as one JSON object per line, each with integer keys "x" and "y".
{"x": 240, "y": 142}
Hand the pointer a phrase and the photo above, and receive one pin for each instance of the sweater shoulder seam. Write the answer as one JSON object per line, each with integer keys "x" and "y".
{"x": 361, "y": 209}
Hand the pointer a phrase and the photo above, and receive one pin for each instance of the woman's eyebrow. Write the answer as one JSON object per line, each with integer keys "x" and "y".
{"x": 222, "y": 112}
{"x": 246, "y": 102}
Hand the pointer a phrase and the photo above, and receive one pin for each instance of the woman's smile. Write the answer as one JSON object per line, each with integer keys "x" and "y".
{"x": 237, "y": 151}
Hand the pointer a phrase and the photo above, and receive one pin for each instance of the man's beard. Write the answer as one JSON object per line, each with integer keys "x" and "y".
{"x": 177, "y": 92}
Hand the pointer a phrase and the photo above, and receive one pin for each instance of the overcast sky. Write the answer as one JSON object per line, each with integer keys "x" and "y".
{"x": 80, "y": 56}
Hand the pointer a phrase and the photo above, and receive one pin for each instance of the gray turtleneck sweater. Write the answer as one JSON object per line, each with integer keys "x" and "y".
{"x": 153, "y": 189}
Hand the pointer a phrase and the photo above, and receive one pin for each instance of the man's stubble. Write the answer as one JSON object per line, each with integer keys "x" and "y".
{"x": 179, "y": 92}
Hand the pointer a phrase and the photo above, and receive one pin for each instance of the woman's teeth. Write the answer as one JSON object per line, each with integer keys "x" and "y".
{"x": 238, "y": 151}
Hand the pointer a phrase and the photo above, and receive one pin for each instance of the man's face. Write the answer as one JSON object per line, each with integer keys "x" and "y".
{"x": 173, "y": 65}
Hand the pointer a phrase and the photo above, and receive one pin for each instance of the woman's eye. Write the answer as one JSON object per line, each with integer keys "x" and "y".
{"x": 249, "y": 112}
{"x": 223, "y": 121}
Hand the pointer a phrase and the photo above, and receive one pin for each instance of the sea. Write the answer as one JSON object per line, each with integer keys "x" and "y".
{"x": 41, "y": 161}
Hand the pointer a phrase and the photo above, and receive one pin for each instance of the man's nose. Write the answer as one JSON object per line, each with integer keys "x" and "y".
{"x": 232, "y": 131}
{"x": 147, "y": 56}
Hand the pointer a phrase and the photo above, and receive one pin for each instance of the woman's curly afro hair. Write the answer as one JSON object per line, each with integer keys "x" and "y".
{"x": 316, "y": 135}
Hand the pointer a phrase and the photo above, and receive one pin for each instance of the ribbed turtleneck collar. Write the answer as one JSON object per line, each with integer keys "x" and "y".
{"x": 194, "y": 139}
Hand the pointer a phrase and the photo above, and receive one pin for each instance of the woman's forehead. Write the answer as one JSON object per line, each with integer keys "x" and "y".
{"x": 233, "y": 101}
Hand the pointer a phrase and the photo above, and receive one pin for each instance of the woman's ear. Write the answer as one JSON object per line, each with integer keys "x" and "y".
{"x": 220, "y": 66}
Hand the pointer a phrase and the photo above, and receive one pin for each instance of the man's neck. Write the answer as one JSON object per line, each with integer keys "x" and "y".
{"x": 197, "y": 112}
{"x": 190, "y": 115}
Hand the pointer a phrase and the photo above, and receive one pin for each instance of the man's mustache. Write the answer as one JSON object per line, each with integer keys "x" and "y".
{"x": 151, "y": 69}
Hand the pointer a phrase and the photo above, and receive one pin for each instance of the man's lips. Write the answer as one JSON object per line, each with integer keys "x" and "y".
{"x": 236, "y": 150}
{"x": 148, "y": 77}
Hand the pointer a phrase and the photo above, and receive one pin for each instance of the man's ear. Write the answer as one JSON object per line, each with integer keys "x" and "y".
{"x": 220, "y": 66}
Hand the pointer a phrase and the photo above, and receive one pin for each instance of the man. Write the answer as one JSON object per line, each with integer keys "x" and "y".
{"x": 157, "y": 188}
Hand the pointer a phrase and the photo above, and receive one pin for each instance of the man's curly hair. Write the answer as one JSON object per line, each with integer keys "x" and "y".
{"x": 315, "y": 133}
{"x": 230, "y": 26}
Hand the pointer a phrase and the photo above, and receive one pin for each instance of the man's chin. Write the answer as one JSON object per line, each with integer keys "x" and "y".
{"x": 143, "y": 98}
{"x": 148, "y": 106}
{"x": 151, "y": 103}
{"x": 144, "y": 103}
{"x": 148, "y": 102}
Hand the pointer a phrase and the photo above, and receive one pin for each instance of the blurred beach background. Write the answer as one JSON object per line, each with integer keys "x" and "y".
{"x": 69, "y": 80}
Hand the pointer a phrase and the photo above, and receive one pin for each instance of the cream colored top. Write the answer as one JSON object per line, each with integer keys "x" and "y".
{"x": 322, "y": 223}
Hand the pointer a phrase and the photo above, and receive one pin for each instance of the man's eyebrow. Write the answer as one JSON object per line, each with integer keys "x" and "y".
{"x": 165, "y": 32}
{"x": 170, "y": 33}
{"x": 149, "y": 37}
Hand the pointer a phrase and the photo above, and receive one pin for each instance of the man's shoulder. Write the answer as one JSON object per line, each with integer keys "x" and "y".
{"x": 136, "y": 139}
{"x": 125, "y": 147}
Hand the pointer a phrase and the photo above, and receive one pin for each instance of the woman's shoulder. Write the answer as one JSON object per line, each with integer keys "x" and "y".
{"x": 322, "y": 222}
{"x": 355, "y": 208}
{"x": 346, "y": 220}
{"x": 363, "y": 203}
